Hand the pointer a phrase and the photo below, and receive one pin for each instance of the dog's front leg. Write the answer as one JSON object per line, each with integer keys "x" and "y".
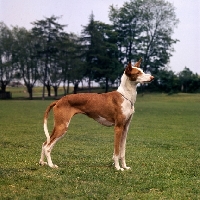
{"x": 123, "y": 150}
{"x": 123, "y": 144}
{"x": 118, "y": 134}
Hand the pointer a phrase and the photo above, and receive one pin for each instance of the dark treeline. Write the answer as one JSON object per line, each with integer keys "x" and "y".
{"x": 51, "y": 56}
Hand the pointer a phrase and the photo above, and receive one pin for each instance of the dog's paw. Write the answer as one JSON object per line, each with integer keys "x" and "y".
{"x": 127, "y": 168}
{"x": 42, "y": 163}
{"x": 54, "y": 166}
{"x": 119, "y": 169}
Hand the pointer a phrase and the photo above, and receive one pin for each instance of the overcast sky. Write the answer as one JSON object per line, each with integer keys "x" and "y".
{"x": 75, "y": 13}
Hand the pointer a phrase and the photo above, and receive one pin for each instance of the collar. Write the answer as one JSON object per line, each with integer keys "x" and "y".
{"x": 128, "y": 100}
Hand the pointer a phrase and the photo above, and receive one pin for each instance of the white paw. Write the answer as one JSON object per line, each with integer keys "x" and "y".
{"x": 42, "y": 163}
{"x": 119, "y": 169}
{"x": 54, "y": 166}
{"x": 127, "y": 168}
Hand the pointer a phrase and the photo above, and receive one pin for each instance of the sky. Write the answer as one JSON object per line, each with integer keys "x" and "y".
{"x": 75, "y": 14}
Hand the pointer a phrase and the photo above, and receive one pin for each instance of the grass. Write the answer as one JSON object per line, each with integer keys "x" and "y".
{"x": 162, "y": 150}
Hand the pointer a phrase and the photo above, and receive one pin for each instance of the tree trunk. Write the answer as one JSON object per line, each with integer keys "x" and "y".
{"x": 68, "y": 86}
{"x": 3, "y": 86}
{"x": 64, "y": 88}
{"x": 55, "y": 91}
{"x": 89, "y": 85}
{"x": 107, "y": 86}
{"x": 43, "y": 91}
{"x": 30, "y": 90}
{"x": 76, "y": 87}
{"x": 48, "y": 86}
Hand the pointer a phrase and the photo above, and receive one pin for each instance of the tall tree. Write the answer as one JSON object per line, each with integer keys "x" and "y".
{"x": 127, "y": 21}
{"x": 108, "y": 67}
{"x": 70, "y": 61}
{"x": 64, "y": 58}
{"x": 6, "y": 65}
{"x": 101, "y": 52}
{"x": 90, "y": 40}
{"x": 145, "y": 29}
{"x": 25, "y": 58}
{"x": 157, "y": 44}
{"x": 49, "y": 32}
{"x": 76, "y": 65}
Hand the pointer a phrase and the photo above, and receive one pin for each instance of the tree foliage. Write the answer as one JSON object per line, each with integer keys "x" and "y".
{"x": 25, "y": 58}
{"x": 189, "y": 81}
{"x": 50, "y": 34}
{"x": 6, "y": 64}
{"x": 145, "y": 30}
{"x": 101, "y": 52}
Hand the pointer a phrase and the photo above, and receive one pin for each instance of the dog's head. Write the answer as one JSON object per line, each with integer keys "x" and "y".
{"x": 136, "y": 74}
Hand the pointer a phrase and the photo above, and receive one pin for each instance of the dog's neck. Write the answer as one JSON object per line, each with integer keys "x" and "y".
{"x": 128, "y": 88}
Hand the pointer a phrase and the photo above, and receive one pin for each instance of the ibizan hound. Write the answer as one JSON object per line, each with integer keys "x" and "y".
{"x": 110, "y": 109}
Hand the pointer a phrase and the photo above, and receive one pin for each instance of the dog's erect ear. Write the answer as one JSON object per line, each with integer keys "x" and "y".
{"x": 128, "y": 68}
{"x": 137, "y": 64}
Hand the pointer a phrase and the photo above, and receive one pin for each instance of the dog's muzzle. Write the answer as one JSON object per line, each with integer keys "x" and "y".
{"x": 151, "y": 78}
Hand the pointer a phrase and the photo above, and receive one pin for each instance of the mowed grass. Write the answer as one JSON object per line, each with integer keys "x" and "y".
{"x": 163, "y": 151}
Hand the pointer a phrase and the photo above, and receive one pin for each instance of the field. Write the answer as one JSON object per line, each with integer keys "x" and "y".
{"x": 163, "y": 151}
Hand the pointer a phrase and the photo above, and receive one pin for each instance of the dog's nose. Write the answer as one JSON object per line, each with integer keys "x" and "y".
{"x": 151, "y": 78}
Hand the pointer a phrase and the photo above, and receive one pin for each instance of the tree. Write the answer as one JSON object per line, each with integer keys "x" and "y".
{"x": 64, "y": 59}
{"x": 127, "y": 22}
{"x": 71, "y": 61}
{"x": 157, "y": 43}
{"x": 101, "y": 52}
{"x": 60, "y": 61}
{"x": 25, "y": 58}
{"x": 167, "y": 81}
{"x": 107, "y": 68}
{"x": 90, "y": 40}
{"x": 49, "y": 32}
{"x": 189, "y": 81}
{"x": 6, "y": 65}
{"x": 145, "y": 29}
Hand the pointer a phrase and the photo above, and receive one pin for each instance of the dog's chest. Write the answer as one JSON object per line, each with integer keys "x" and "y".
{"x": 127, "y": 109}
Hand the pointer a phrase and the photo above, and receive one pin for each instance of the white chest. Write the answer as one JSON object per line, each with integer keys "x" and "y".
{"x": 127, "y": 109}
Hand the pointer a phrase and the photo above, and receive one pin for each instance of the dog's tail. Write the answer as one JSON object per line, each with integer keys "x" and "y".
{"x": 45, "y": 120}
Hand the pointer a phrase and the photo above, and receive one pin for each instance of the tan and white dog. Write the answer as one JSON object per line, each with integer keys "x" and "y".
{"x": 110, "y": 109}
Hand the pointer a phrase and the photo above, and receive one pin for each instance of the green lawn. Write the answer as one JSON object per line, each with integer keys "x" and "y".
{"x": 163, "y": 151}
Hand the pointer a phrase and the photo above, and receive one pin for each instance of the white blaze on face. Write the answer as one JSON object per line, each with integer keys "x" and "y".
{"x": 142, "y": 77}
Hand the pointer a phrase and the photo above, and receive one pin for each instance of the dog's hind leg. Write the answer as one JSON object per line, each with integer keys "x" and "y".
{"x": 58, "y": 133}
{"x": 42, "y": 155}
{"x": 60, "y": 128}
{"x": 46, "y": 151}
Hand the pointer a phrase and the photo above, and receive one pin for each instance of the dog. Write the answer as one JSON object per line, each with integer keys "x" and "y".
{"x": 109, "y": 109}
